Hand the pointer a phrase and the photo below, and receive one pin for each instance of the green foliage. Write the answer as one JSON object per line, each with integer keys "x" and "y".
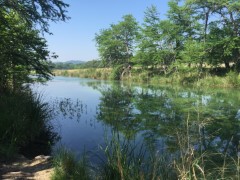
{"x": 23, "y": 118}
{"x": 116, "y": 72}
{"x": 37, "y": 11}
{"x": 233, "y": 79}
{"x": 92, "y": 64}
{"x": 67, "y": 167}
{"x": 195, "y": 32}
{"x": 193, "y": 53}
{"x": 23, "y": 50}
{"x": 149, "y": 40}
{"x": 24, "y": 58}
{"x": 82, "y": 65}
{"x": 116, "y": 44}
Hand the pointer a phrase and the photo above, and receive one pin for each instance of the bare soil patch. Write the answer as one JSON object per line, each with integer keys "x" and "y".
{"x": 39, "y": 168}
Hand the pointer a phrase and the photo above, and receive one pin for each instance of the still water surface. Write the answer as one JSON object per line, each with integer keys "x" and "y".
{"x": 87, "y": 111}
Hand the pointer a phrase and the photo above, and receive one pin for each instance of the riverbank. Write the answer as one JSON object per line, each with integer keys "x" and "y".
{"x": 25, "y": 132}
{"x": 39, "y": 168}
{"x": 203, "y": 79}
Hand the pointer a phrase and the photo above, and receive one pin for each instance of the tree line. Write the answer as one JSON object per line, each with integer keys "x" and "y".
{"x": 194, "y": 34}
{"x": 80, "y": 65}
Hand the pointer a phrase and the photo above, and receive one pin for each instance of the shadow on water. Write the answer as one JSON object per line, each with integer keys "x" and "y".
{"x": 42, "y": 145}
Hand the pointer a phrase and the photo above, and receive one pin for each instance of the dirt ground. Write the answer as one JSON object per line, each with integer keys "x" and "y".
{"x": 39, "y": 168}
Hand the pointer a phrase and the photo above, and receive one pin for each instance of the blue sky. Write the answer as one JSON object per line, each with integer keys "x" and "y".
{"x": 74, "y": 39}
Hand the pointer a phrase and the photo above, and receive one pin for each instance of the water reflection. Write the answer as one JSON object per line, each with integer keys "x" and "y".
{"x": 207, "y": 120}
{"x": 182, "y": 123}
{"x": 68, "y": 108}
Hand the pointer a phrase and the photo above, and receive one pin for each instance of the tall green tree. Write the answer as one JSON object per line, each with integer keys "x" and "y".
{"x": 221, "y": 30}
{"x": 116, "y": 44}
{"x": 22, "y": 49}
{"x": 149, "y": 41}
{"x": 183, "y": 25}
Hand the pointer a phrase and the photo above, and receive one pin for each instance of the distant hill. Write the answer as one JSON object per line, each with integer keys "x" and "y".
{"x": 73, "y": 62}
{"x": 76, "y": 64}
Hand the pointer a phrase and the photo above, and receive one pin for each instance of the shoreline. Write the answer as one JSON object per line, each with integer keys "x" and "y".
{"x": 22, "y": 168}
{"x": 230, "y": 80}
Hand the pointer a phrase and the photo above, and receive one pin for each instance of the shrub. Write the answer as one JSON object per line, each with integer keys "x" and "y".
{"x": 23, "y": 117}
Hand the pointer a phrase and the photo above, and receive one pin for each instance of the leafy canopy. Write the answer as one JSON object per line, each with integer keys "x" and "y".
{"x": 22, "y": 49}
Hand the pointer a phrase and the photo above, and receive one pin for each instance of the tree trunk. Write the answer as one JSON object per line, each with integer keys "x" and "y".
{"x": 227, "y": 65}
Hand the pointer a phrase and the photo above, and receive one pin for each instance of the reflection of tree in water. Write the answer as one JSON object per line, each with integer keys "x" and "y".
{"x": 205, "y": 121}
{"x": 116, "y": 109}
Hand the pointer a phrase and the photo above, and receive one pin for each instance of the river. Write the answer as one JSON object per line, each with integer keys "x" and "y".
{"x": 86, "y": 114}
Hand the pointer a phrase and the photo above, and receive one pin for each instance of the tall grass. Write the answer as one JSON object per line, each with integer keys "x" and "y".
{"x": 93, "y": 73}
{"x": 195, "y": 160}
{"x": 124, "y": 161}
{"x": 67, "y": 167}
{"x": 231, "y": 79}
{"x": 128, "y": 160}
{"x": 120, "y": 160}
{"x": 23, "y": 117}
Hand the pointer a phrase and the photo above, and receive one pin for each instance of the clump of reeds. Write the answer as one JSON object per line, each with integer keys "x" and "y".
{"x": 124, "y": 159}
{"x": 66, "y": 166}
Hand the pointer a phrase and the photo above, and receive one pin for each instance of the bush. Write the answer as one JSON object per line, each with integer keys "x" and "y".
{"x": 23, "y": 117}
